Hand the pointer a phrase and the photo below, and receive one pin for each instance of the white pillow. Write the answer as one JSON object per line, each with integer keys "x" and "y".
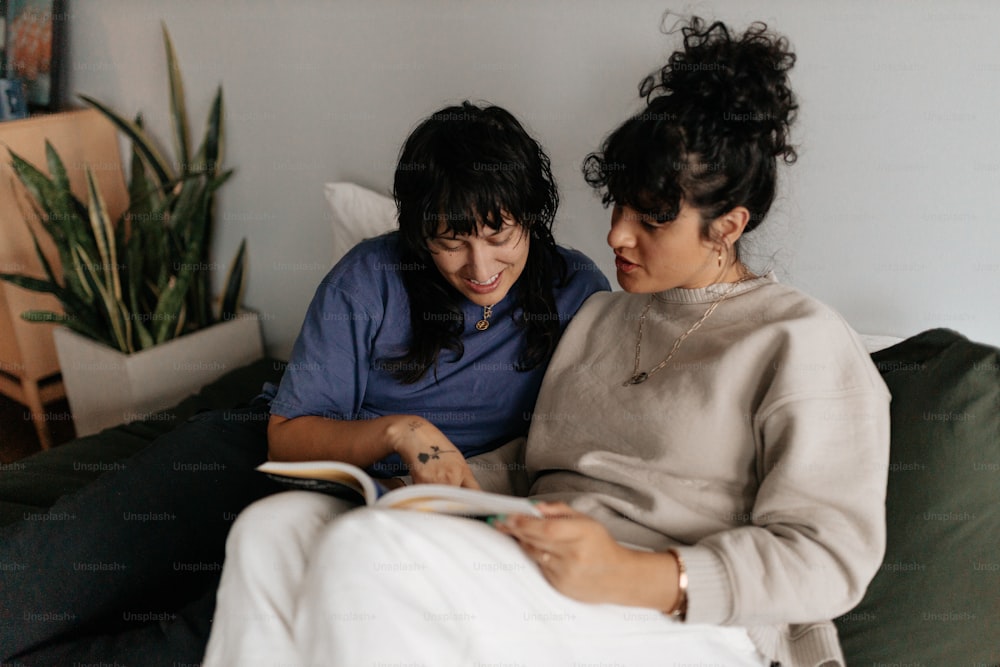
{"x": 358, "y": 214}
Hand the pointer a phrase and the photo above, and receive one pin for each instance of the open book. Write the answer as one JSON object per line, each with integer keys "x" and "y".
{"x": 351, "y": 482}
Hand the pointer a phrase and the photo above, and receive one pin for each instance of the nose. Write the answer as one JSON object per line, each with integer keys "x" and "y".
{"x": 622, "y": 230}
{"x": 480, "y": 261}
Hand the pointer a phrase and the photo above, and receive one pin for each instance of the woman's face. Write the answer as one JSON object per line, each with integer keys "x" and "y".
{"x": 653, "y": 256}
{"x": 482, "y": 267}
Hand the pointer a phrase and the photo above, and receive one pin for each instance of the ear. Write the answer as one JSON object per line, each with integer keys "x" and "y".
{"x": 728, "y": 227}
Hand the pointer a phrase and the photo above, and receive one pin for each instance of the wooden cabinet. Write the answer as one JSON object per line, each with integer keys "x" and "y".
{"x": 29, "y": 369}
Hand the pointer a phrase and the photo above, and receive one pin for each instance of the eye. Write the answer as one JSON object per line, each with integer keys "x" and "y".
{"x": 446, "y": 245}
{"x": 656, "y": 219}
{"x": 500, "y": 240}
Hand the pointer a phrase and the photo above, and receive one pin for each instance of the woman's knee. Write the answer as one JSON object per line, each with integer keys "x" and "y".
{"x": 285, "y": 519}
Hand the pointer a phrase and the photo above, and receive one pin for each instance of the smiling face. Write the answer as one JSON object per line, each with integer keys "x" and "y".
{"x": 653, "y": 255}
{"x": 482, "y": 267}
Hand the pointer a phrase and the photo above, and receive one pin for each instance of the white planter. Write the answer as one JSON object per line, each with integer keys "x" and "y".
{"x": 105, "y": 387}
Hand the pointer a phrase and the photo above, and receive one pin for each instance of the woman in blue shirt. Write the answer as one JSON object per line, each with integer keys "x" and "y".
{"x": 421, "y": 347}
{"x": 428, "y": 345}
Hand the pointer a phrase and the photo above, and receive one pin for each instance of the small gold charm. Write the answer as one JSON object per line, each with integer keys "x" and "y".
{"x": 484, "y": 324}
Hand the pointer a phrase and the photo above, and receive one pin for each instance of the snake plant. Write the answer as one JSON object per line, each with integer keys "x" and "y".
{"x": 143, "y": 279}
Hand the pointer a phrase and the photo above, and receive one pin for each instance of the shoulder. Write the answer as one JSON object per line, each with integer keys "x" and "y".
{"x": 788, "y": 312}
{"x": 380, "y": 253}
{"x": 810, "y": 347}
{"x": 582, "y": 273}
{"x": 369, "y": 273}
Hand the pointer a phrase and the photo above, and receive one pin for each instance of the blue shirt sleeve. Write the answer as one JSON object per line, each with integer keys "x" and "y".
{"x": 327, "y": 373}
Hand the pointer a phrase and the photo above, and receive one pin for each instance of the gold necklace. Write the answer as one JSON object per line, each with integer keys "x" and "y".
{"x": 484, "y": 323}
{"x": 640, "y": 377}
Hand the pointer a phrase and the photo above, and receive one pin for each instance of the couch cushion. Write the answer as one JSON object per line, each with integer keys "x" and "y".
{"x": 34, "y": 483}
{"x": 936, "y": 598}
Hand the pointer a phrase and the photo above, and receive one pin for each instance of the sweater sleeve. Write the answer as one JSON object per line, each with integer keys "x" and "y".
{"x": 817, "y": 534}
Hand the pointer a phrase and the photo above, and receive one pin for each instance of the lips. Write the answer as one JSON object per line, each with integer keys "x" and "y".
{"x": 624, "y": 265}
{"x": 484, "y": 287}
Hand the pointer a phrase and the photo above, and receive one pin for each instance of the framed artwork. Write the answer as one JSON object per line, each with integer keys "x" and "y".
{"x": 34, "y": 45}
{"x": 3, "y": 38}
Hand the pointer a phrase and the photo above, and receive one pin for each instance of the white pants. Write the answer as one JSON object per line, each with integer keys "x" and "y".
{"x": 267, "y": 553}
{"x": 379, "y": 587}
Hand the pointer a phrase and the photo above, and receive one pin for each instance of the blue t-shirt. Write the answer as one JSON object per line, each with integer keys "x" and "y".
{"x": 358, "y": 324}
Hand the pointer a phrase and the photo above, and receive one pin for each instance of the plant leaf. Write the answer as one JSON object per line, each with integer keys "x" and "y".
{"x": 104, "y": 235}
{"x": 33, "y": 284}
{"x": 140, "y": 192}
{"x": 57, "y": 171}
{"x": 49, "y": 273}
{"x": 70, "y": 321}
{"x": 44, "y": 316}
{"x": 147, "y": 149}
{"x": 210, "y": 152}
{"x": 178, "y": 109}
{"x": 146, "y": 340}
{"x": 234, "y": 284}
{"x": 39, "y": 186}
{"x": 106, "y": 301}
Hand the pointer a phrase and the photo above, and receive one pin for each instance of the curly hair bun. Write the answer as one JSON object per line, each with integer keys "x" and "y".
{"x": 729, "y": 85}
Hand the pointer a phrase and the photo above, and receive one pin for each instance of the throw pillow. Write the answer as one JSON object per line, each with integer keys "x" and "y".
{"x": 358, "y": 213}
{"x": 936, "y": 598}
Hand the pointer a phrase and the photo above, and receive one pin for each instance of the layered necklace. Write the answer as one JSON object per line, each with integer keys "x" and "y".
{"x": 638, "y": 377}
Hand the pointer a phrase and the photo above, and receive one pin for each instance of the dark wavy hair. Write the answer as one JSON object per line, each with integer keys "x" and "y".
{"x": 468, "y": 165}
{"x": 716, "y": 121}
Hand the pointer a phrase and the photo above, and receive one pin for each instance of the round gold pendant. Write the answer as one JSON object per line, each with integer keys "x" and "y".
{"x": 482, "y": 325}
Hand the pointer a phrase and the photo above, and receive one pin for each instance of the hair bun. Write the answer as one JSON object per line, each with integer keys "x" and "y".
{"x": 728, "y": 85}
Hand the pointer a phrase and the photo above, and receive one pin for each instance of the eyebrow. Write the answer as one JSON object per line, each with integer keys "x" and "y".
{"x": 494, "y": 232}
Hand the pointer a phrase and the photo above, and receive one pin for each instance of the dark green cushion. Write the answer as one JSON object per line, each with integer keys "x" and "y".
{"x": 36, "y": 482}
{"x": 936, "y": 599}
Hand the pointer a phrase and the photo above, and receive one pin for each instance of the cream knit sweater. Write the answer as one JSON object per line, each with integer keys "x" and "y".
{"x": 761, "y": 450}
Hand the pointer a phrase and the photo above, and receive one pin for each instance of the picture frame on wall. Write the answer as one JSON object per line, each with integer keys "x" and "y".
{"x": 34, "y": 49}
{"x": 3, "y": 38}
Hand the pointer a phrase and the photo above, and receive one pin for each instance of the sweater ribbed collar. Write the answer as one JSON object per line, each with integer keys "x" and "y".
{"x": 713, "y": 292}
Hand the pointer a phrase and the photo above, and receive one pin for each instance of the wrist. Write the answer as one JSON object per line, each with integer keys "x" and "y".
{"x": 650, "y": 580}
{"x": 397, "y": 428}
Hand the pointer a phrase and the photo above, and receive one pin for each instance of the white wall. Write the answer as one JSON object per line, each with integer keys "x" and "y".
{"x": 888, "y": 215}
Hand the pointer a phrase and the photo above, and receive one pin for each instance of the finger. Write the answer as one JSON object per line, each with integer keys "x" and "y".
{"x": 558, "y": 509}
{"x": 544, "y": 558}
{"x": 549, "y": 531}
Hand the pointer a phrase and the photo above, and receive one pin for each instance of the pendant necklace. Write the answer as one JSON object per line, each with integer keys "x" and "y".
{"x": 640, "y": 377}
{"x": 484, "y": 324}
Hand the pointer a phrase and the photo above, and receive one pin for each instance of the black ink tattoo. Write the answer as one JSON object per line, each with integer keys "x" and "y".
{"x": 436, "y": 453}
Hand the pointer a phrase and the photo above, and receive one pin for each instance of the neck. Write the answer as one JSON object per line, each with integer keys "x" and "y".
{"x": 733, "y": 273}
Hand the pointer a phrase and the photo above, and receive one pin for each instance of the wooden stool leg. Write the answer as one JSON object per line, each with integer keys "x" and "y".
{"x": 34, "y": 402}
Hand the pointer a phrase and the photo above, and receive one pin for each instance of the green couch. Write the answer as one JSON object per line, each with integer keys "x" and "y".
{"x": 936, "y": 599}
